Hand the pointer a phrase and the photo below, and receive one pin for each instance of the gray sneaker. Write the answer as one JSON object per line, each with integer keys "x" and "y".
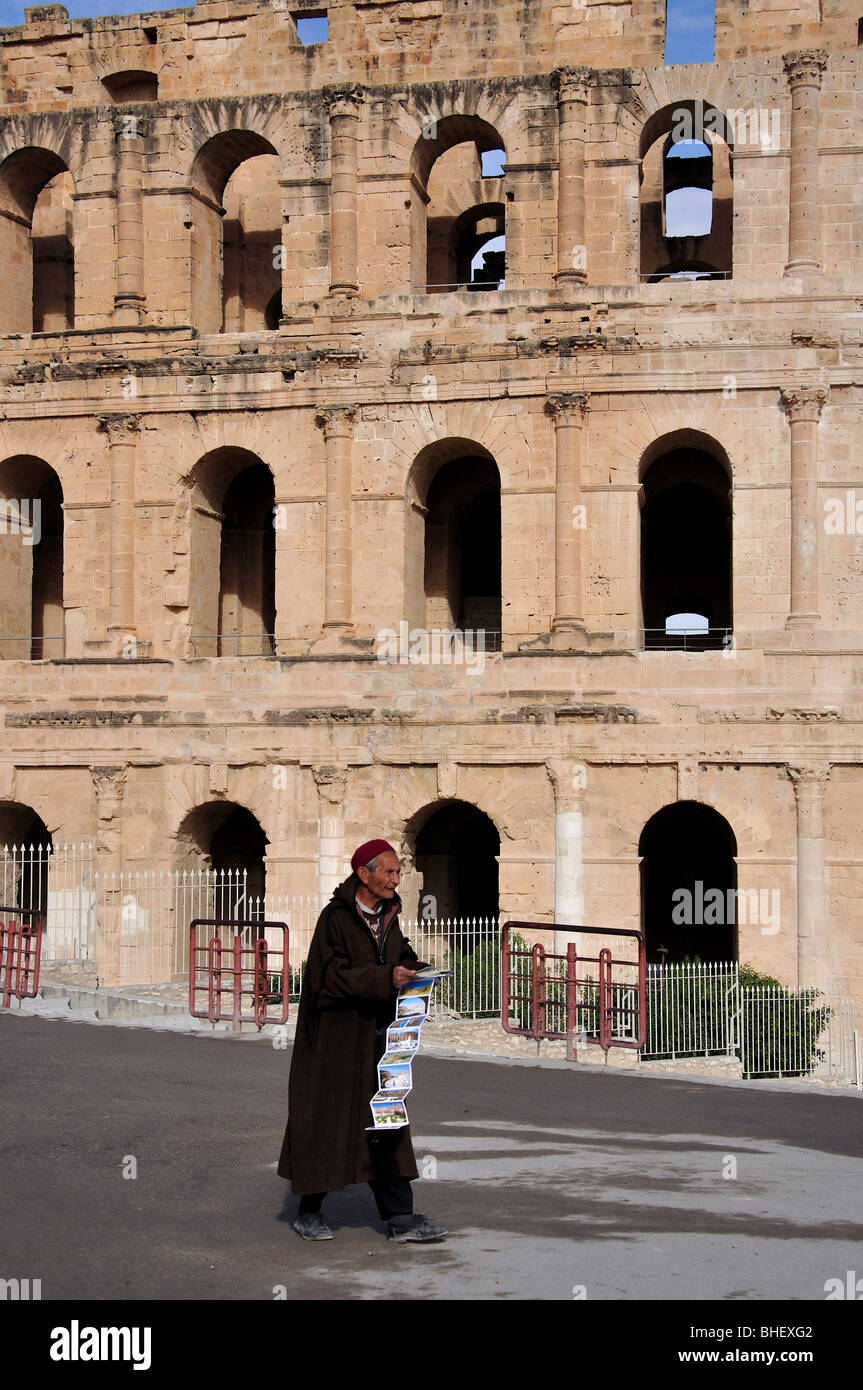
{"x": 312, "y": 1226}
{"x": 415, "y": 1229}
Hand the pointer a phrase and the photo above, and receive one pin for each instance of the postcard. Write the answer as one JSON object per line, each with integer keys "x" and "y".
{"x": 394, "y": 1078}
{"x": 389, "y": 1114}
{"x": 411, "y": 1008}
{"x": 402, "y": 1054}
{"x": 417, "y": 989}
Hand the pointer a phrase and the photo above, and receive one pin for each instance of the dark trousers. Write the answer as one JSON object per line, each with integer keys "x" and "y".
{"x": 393, "y": 1197}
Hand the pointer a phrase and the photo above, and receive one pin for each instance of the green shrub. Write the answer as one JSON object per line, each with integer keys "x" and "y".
{"x": 474, "y": 987}
{"x": 687, "y": 1011}
{"x": 779, "y": 1027}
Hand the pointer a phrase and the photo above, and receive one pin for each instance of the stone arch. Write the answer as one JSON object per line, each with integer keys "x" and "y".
{"x": 36, "y": 241}
{"x": 224, "y": 844}
{"x": 686, "y": 541}
{"x": 215, "y": 163}
{"x": 232, "y": 555}
{"x": 32, "y": 614}
{"x": 453, "y": 538}
{"x": 26, "y": 845}
{"x": 455, "y": 847}
{"x": 447, "y": 183}
{"x": 469, "y": 233}
{"x": 688, "y": 884}
{"x": 667, "y": 134}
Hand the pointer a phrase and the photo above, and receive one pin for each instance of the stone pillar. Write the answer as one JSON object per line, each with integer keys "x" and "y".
{"x": 109, "y": 784}
{"x": 129, "y": 299}
{"x": 337, "y": 425}
{"x": 809, "y": 782}
{"x": 572, "y": 97}
{"x": 804, "y": 69}
{"x": 569, "y": 780}
{"x": 804, "y": 405}
{"x": 569, "y": 413}
{"x": 331, "y": 783}
{"x": 343, "y": 104}
{"x": 121, "y": 431}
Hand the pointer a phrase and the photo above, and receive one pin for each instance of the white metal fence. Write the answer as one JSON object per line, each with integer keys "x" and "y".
{"x": 703, "y": 1010}
{"x": 132, "y": 929}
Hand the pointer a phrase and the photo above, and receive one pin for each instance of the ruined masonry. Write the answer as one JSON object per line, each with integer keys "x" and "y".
{"x": 384, "y": 453}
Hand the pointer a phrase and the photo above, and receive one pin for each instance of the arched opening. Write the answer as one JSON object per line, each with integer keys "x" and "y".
{"x": 233, "y": 556}
{"x": 686, "y": 545}
{"x": 26, "y": 847}
{"x": 133, "y": 85}
{"x": 457, "y": 487}
{"x": 478, "y": 247}
{"x": 222, "y": 846}
{"x": 31, "y": 560}
{"x": 36, "y": 243}
{"x": 688, "y": 885}
{"x": 273, "y": 313}
{"x": 458, "y": 206}
{"x": 456, "y": 849}
{"x": 236, "y": 265}
{"x": 686, "y": 194}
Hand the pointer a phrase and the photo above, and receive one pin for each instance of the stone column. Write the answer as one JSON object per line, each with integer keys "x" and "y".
{"x": 572, "y": 96}
{"x": 804, "y": 69}
{"x": 337, "y": 425}
{"x": 121, "y": 431}
{"x": 343, "y": 105}
{"x": 129, "y": 299}
{"x": 804, "y": 405}
{"x": 569, "y": 413}
{"x": 809, "y": 782}
{"x": 331, "y": 783}
{"x": 108, "y": 784}
{"x": 569, "y": 780}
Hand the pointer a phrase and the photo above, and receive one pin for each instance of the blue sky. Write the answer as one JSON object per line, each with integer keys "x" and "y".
{"x": 689, "y": 31}
{"x": 690, "y": 22}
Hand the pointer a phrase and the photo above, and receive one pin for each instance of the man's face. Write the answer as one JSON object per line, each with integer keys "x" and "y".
{"x": 383, "y": 879}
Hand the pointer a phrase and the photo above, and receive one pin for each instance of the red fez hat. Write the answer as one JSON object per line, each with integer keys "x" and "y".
{"x": 370, "y": 850}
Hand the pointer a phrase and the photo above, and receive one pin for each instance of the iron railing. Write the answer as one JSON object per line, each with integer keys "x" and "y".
{"x": 131, "y": 928}
{"x": 711, "y": 639}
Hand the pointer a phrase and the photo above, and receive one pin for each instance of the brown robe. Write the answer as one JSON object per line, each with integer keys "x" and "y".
{"x": 346, "y": 1003}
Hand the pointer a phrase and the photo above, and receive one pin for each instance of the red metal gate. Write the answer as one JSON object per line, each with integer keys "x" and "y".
{"x": 227, "y": 972}
{"x": 597, "y": 998}
{"x": 20, "y": 954}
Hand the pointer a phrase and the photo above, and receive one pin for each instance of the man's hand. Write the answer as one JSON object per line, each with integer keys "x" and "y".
{"x": 402, "y": 976}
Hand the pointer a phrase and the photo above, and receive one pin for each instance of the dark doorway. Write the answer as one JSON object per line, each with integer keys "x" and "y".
{"x": 227, "y": 843}
{"x": 463, "y": 548}
{"x": 686, "y": 547}
{"x": 248, "y": 565}
{"x": 456, "y": 854}
{"x": 25, "y": 851}
{"x": 688, "y": 885}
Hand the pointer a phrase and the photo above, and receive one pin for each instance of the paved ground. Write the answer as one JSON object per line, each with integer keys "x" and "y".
{"x": 554, "y": 1183}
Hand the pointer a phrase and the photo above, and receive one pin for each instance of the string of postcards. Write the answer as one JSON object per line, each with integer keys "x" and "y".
{"x": 395, "y": 1079}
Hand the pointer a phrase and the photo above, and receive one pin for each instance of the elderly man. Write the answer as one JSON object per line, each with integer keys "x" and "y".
{"x": 358, "y": 960}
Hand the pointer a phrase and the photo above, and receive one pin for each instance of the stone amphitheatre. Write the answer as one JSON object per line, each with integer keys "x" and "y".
{"x": 378, "y": 459}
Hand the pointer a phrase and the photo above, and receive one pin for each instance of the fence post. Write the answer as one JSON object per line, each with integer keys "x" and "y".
{"x": 571, "y": 1004}
{"x": 537, "y": 966}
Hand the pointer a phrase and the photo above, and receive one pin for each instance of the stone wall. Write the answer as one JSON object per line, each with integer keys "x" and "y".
{"x": 266, "y": 168}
